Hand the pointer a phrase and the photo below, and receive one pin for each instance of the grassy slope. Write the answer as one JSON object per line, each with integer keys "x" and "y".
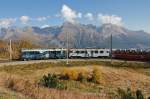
{"x": 113, "y": 76}
{"x": 8, "y": 94}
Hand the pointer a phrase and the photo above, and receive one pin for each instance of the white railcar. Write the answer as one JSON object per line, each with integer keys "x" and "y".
{"x": 34, "y": 54}
{"x": 99, "y": 53}
{"x": 78, "y": 53}
{"x": 89, "y": 53}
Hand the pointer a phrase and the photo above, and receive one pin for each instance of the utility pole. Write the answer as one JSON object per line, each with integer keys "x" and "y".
{"x": 111, "y": 48}
{"x": 10, "y": 50}
{"x": 67, "y": 60}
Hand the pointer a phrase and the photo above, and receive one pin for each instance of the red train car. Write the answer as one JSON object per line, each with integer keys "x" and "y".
{"x": 132, "y": 55}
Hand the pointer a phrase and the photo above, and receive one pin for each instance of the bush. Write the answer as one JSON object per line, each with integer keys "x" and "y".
{"x": 128, "y": 94}
{"x": 125, "y": 94}
{"x": 71, "y": 74}
{"x": 63, "y": 77}
{"x": 82, "y": 77}
{"x": 139, "y": 94}
{"x": 61, "y": 86}
{"x": 52, "y": 81}
{"x": 96, "y": 75}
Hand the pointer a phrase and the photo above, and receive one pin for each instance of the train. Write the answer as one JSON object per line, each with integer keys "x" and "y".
{"x": 132, "y": 54}
{"x": 37, "y": 54}
{"x": 61, "y": 53}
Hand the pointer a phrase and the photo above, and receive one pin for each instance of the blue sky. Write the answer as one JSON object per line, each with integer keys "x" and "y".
{"x": 133, "y": 14}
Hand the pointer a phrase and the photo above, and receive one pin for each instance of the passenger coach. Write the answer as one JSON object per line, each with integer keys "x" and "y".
{"x": 36, "y": 54}
{"x": 89, "y": 53}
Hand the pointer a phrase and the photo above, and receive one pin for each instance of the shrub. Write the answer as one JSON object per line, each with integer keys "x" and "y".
{"x": 82, "y": 77}
{"x": 125, "y": 94}
{"x": 61, "y": 86}
{"x": 96, "y": 75}
{"x": 139, "y": 94}
{"x": 121, "y": 93}
{"x": 50, "y": 81}
{"x": 63, "y": 77}
{"x": 72, "y": 74}
{"x": 128, "y": 94}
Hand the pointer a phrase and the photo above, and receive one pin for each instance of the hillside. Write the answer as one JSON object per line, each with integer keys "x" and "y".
{"x": 80, "y": 36}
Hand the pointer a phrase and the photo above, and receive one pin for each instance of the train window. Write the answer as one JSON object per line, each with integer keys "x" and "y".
{"x": 82, "y": 52}
{"x": 36, "y": 52}
{"x": 101, "y": 51}
{"x": 24, "y": 53}
{"x": 62, "y": 52}
{"x": 77, "y": 52}
{"x": 58, "y": 52}
{"x": 51, "y": 52}
{"x": 31, "y": 52}
{"x": 46, "y": 52}
{"x": 96, "y": 51}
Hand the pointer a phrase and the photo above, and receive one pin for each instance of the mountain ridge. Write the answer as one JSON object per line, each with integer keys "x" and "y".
{"x": 80, "y": 36}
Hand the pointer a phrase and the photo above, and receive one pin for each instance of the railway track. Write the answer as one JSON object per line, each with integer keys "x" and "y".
{"x": 8, "y": 63}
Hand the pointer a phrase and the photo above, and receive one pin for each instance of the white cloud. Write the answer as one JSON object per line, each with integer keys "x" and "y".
{"x": 44, "y": 26}
{"x": 89, "y": 16}
{"x": 113, "y": 19}
{"x": 24, "y": 19}
{"x": 68, "y": 14}
{"x": 79, "y": 15}
{"x": 7, "y": 22}
{"x": 58, "y": 15}
{"x": 41, "y": 18}
{"x": 48, "y": 16}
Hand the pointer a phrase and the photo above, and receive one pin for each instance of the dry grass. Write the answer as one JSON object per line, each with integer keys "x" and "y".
{"x": 26, "y": 77}
{"x": 73, "y": 73}
{"x": 9, "y": 94}
{"x": 35, "y": 91}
